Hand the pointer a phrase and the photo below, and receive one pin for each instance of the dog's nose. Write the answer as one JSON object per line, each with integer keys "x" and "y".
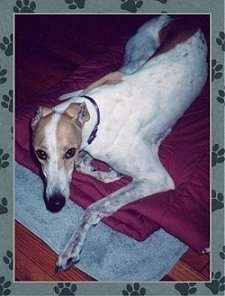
{"x": 55, "y": 203}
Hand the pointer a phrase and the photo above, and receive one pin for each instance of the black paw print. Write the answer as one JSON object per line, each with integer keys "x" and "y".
{"x": 11, "y": 130}
{"x": 67, "y": 289}
{"x": 131, "y": 5}
{"x": 3, "y": 207}
{"x": 162, "y": 1}
{"x": 217, "y": 154}
{"x": 217, "y": 284}
{"x": 221, "y": 96}
{"x": 8, "y": 259}
{"x": 3, "y": 159}
{"x": 222, "y": 254}
{"x": 73, "y": 4}
{"x": 24, "y": 6}
{"x": 7, "y": 45}
{"x": 134, "y": 290}
{"x": 4, "y": 285}
{"x": 7, "y": 101}
{"x": 3, "y": 72}
{"x": 186, "y": 288}
{"x": 217, "y": 201}
{"x": 216, "y": 70}
{"x": 221, "y": 40}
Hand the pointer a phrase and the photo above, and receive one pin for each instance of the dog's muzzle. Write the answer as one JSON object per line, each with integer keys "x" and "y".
{"x": 55, "y": 203}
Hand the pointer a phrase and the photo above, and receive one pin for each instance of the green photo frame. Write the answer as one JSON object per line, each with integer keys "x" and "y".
{"x": 7, "y": 10}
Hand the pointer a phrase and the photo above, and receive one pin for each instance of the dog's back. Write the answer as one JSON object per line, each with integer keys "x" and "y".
{"x": 180, "y": 29}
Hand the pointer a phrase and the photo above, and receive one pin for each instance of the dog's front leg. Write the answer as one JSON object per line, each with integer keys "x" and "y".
{"x": 71, "y": 252}
{"x": 84, "y": 165}
{"x": 105, "y": 207}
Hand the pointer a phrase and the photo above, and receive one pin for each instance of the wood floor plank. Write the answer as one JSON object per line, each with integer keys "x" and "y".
{"x": 35, "y": 261}
{"x": 183, "y": 272}
{"x": 197, "y": 261}
{"x": 26, "y": 270}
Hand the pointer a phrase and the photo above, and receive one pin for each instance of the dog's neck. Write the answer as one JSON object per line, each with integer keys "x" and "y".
{"x": 89, "y": 131}
{"x": 93, "y": 134}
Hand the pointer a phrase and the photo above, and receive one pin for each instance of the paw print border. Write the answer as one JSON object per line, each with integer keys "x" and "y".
{"x": 7, "y": 8}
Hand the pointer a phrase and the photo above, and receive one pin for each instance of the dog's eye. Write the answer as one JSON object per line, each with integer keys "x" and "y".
{"x": 70, "y": 153}
{"x": 41, "y": 154}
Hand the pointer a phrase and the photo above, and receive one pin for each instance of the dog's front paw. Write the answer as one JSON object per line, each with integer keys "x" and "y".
{"x": 65, "y": 262}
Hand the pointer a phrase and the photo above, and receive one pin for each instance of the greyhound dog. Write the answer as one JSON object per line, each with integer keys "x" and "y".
{"x": 121, "y": 119}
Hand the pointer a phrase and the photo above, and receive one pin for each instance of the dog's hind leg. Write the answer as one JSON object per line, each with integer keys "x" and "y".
{"x": 103, "y": 208}
{"x": 84, "y": 165}
{"x": 142, "y": 46}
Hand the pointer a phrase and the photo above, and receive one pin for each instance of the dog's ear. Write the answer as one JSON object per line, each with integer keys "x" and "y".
{"x": 83, "y": 114}
{"x": 41, "y": 112}
{"x": 78, "y": 112}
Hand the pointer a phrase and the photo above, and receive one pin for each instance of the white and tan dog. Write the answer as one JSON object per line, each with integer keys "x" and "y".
{"x": 121, "y": 119}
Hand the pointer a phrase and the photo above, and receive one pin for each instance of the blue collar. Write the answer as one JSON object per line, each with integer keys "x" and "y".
{"x": 94, "y": 131}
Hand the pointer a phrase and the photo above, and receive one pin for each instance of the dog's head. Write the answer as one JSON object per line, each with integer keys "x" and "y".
{"x": 56, "y": 139}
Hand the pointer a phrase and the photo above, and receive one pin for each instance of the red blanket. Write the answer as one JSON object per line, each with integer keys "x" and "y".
{"x": 183, "y": 212}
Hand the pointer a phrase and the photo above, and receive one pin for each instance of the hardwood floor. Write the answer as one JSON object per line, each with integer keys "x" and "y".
{"x": 35, "y": 261}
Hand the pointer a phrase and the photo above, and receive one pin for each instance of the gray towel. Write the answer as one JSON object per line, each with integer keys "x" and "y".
{"x": 107, "y": 255}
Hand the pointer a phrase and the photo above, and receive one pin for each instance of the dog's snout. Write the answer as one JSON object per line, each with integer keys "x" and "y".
{"x": 55, "y": 203}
